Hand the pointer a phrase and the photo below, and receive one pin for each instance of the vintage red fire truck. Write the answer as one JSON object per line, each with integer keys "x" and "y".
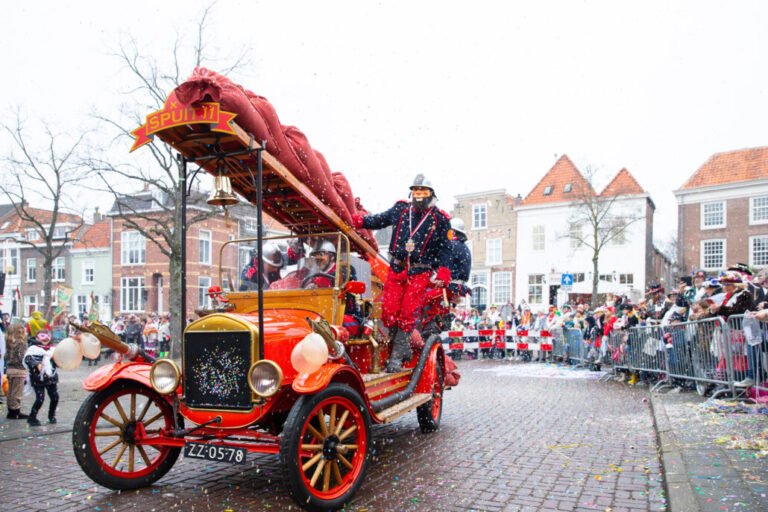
{"x": 285, "y": 378}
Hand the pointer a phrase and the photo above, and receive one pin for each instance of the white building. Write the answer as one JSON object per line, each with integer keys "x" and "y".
{"x": 547, "y": 240}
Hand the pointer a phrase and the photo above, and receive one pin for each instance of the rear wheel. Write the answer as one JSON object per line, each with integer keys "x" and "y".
{"x": 325, "y": 447}
{"x": 106, "y": 431}
{"x": 429, "y": 414}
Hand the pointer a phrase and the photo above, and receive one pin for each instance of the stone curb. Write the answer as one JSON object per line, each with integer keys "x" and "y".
{"x": 680, "y": 495}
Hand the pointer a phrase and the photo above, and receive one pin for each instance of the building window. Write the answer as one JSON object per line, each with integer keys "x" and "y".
{"x": 758, "y": 210}
{"x": 82, "y": 304}
{"x": 713, "y": 215}
{"x": 479, "y": 216}
{"x": 132, "y": 293}
{"x": 608, "y": 278}
{"x": 493, "y": 251}
{"x": 60, "y": 232}
{"x": 578, "y": 277}
{"x": 203, "y": 300}
{"x": 548, "y": 190}
{"x": 58, "y": 270}
{"x": 88, "y": 272}
{"x": 575, "y": 236}
{"x": 535, "y": 288}
{"x": 502, "y": 287}
{"x": 712, "y": 254}
{"x": 133, "y": 247}
{"x": 10, "y": 265}
{"x": 33, "y": 234}
{"x": 568, "y": 188}
{"x": 626, "y": 279}
{"x": 478, "y": 282}
{"x": 538, "y": 238}
{"x": 758, "y": 251}
{"x": 30, "y": 304}
{"x": 31, "y": 270}
{"x": 204, "y": 245}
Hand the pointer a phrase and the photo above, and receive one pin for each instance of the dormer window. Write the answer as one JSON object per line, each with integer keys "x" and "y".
{"x": 33, "y": 234}
{"x": 548, "y": 190}
{"x": 568, "y": 187}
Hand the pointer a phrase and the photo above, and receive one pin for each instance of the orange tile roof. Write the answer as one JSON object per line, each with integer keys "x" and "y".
{"x": 622, "y": 184}
{"x": 731, "y": 167}
{"x": 95, "y": 236}
{"x": 16, "y": 224}
{"x": 561, "y": 174}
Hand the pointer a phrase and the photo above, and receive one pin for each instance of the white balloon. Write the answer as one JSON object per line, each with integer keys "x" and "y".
{"x": 68, "y": 354}
{"x": 314, "y": 349}
{"x": 299, "y": 363}
{"x": 90, "y": 345}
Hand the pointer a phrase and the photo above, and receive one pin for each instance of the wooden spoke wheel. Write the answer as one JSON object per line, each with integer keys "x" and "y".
{"x": 325, "y": 447}
{"x": 430, "y": 413}
{"x": 109, "y": 429}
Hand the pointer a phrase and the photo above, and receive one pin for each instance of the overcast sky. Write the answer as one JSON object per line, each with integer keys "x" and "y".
{"x": 478, "y": 95}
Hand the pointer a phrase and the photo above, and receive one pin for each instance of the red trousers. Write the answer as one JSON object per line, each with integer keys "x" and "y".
{"x": 402, "y": 298}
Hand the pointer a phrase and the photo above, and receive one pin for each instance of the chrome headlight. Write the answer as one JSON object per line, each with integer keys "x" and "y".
{"x": 164, "y": 376}
{"x": 265, "y": 378}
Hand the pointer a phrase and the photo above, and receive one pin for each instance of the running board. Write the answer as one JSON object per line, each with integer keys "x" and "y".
{"x": 397, "y": 410}
{"x": 372, "y": 379}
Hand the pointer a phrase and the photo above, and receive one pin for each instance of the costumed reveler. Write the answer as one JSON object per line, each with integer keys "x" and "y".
{"x": 419, "y": 246}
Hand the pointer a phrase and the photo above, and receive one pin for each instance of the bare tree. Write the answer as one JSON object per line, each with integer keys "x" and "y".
{"x": 150, "y": 83}
{"x": 596, "y": 221}
{"x": 49, "y": 175}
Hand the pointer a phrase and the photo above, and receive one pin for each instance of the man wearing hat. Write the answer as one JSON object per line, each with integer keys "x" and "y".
{"x": 756, "y": 292}
{"x": 419, "y": 246}
{"x": 658, "y": 305}
{"x": 736, "y": 301}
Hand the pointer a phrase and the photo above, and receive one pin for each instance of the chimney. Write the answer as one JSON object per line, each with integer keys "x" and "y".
{"x": 518, "y": 200}
{"x": 146, "y": 186}
{"x": 96, "y": 215}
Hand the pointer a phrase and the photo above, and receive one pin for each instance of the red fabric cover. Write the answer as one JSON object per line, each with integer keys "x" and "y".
{"x": 256, "y": 115}
{"x": 319, "y": 180}
{"x": 207, "y": 85}
{"x": 452, "y": 375}
{"x": 417, "y": 342}
{"x": 344, "y": 190}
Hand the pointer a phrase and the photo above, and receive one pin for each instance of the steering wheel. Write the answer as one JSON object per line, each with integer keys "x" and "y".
{"x": 310, "y": 277}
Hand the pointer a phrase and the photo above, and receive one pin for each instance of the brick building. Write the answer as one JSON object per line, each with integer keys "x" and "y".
{"x": 141, "y": 272}
{"x": 490, "y": 221}
{"x": 723, "y": 212}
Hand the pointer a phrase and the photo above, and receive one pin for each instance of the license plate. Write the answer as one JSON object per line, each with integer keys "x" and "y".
{"x": 215, "y": 452}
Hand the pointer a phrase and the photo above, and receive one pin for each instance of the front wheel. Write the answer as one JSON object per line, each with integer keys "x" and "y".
{"x": 107, "y": 431}
{"x": 325, "y": 447}
{"x": 430, "y": 413}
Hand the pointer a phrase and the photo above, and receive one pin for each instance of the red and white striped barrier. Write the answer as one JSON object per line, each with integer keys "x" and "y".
{"x": 497, "y": 338}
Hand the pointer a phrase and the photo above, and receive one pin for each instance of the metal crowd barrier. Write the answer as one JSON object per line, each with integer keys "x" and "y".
{"x": 711, "y": 353}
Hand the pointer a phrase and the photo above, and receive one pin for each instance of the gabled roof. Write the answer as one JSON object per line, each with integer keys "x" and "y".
{"x": 5, "y": 208}
{"x": 622, "y": 184}
{"x": 564, "y": 172}
{"x": 95, "y": 236}
{"x": 17, "y": 225}
{"x": 730, "y": 167}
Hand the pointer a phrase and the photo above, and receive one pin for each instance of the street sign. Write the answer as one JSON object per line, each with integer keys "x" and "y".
{"x": 566, "y": 280}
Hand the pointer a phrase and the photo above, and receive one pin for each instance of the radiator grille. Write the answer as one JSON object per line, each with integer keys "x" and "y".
{"x": 216, "y": 369}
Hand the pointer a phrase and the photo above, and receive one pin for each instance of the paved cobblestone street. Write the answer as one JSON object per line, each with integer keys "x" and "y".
{"x": 514, "y": 437}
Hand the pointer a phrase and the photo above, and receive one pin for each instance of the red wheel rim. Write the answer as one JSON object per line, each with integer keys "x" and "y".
{"x": 437, "y": 394}
{"x": 333, "y": 446}
{"x": 112, "y": 428}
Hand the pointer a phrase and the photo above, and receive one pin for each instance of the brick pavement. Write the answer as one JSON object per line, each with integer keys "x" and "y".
{"x": 508, "y": 443}
{"x": 703, "y": 472}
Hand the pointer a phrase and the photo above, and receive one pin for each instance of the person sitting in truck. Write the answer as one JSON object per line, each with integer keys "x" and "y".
{"x": 272, "y": 260}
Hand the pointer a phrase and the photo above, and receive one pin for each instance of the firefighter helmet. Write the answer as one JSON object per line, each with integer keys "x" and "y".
{"x": 457, "y": 225}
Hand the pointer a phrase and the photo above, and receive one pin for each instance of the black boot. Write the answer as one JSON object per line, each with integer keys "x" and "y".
{"x": 33, "y": 421}
{"x": 51, "y": 420}
{"x": 401, "y": 351}
{"x": 15, "y": 414}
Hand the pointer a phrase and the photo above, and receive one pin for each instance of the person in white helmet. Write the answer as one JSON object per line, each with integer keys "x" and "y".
{"x": 272, "y": 260}
{"x": 419, "y": 246}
